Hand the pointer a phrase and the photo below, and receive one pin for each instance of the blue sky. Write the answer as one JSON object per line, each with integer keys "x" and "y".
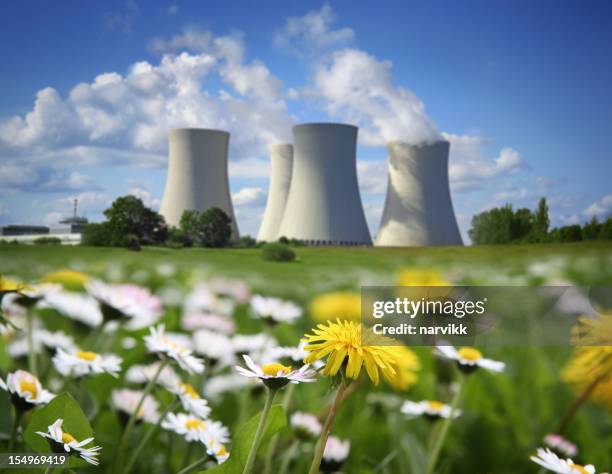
{"x": 521, "y": 89}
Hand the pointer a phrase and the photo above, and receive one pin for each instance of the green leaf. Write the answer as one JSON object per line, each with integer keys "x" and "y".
{"x": 277, "y": 420}
{"x": 75, "y": 422}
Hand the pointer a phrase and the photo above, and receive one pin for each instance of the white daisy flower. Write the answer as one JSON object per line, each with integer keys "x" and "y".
{"x": 9, "y": 306}
{"x": 254, "y": 344}
{"x": 62, "y": 441}
{"x": 139, "y": 374}
{"x": 306, "y": 424}
{"x": 469, "y": 359}
{"x": 292, "y": 353}
{"x": 165, "y": 269}
{"x": 41, "y": 339}
{"x": 203, "y": 300}
{"x": 130, "y": 301}
{"x": 191, "y": 400}
{"x": 560, "y": 445}
{"x": 214, "y": 437}
{"x": 430, "y": 408}
{"x": 549, "y": 460}
{"x": 235, "y": 289}
{"x": 125, "y": 401}
{"x": 213, "y": 322}
{"x": 25, "y": 390}
{"x": 189, "y": 426}
{"x": 276, "y": 375}
{"x": 157, "y": 342}
{"x": 335, "y": 453}
{"x": 79, "y": 307}
{"x": 217, "y": 348}
{"x": 275, "y": 310}
{"x": 79, "y": 363}
{"x": 218, "y": 385}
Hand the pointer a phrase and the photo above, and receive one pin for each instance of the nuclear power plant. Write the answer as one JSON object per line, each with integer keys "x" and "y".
{"x": 418, "y": 208}
{"x": 324, "y": 204}
{"x": 281, "y": 165}
{"x": 197, "y": 174}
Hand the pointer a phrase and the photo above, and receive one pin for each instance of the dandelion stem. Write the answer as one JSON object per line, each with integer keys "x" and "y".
{"x": 274, "y": 441}
{"x": 270, "y": 393}
{"x": 439, "y": 441}
{"x": 329, "y": 421}
{"x": 30, "y": 336}
{"x": 194, "y": 465}
{"x": 16, "y": 422}
{"x": 134, "y": 416}
{"x": 573, "y": 408}
{"x": 149, "y": 435}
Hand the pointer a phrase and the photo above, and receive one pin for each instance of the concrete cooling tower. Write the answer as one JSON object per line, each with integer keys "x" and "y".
{"x": 418, "y": 207}
{"x": 197, "y": 174}
{"x": 281, "y": 164}
{"x": 324, "y": 205}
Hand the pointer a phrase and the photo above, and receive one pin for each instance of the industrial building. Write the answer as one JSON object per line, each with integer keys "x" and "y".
{"x": 197, "y": 174}
{"x": 281, "y": 165}
{"x": 418, "y": 208}
{"x": 324, "y": 205}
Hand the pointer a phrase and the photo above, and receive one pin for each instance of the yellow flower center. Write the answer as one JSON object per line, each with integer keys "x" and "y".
{"x": 173, "y": 345}
{"x": 194, "y": 424}
{"x": 435, "y": 405}
{"x": 28, "y": 386}
{"x": 578, "y": 468}
{"x": 469, "y": 353}
{"x": 222, "y": 451}
{"x": 189, "y": 390}
{"x": 275, "y": 368}
{"x": 67, "y": 438}
{"x": 86, "y": 355}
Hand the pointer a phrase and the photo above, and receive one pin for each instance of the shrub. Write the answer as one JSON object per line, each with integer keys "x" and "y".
{"x": 211, "y": 228}
{"x": 48, "y": 241}
{"x": 277, "y": 253}
{"x": 97, "y": 235}
{"x": 245, "y": 242}
{"x": 131, "y": 242}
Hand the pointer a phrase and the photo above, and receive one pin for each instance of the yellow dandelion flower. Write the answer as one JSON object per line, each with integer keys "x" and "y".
{"x": 408, "y": 364}
{"x": 69, "y": 279}
{"x": 341, "y": 343}
{"x": 421, "y": 277}
{"x": 602, "y": 393}
{"x": 337, "y": 304}
{"x": 10, "y": 285}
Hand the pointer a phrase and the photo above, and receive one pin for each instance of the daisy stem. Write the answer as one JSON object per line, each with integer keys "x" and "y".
{"x": 289, "y": 455}
{"x": 440, "y": 438}
{"x": 270, "y": 393}
{"x": 573, "y": 408}
{"x": 329, "y": 421}
{"x": 134, "y": 416}
{"x": 194, "y": 465}
{"x": 16, "y": 422}
{"x": 274, "y": 441}
{"x": 149, "y": 434}
{"x": 30, "y": 336}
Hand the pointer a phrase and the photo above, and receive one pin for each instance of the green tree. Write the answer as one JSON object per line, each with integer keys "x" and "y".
{"x": 98, "y": 235}
{"x": 541, "y": 222}
{"x": 568, "y": 233}
{"x": 211, "y": 228}
{"x": 129, "y": 216}
{"x": 605, "y": 232}
{"x": 591, "y": 230}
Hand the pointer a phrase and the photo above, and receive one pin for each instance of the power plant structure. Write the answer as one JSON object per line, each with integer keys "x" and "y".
{"x": 324, "y": 205}
{"x": 197, "y": 174}
{"x": 281, "y": 165}
{"x": 418, "y": 208}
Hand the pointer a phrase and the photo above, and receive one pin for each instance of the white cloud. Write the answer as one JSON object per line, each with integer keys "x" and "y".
{"x": 601, "y": 208}
{"x": 312, "y": 33}
{"x": 249, "y": 197}
{"x": 146, "y": 197}
{"x": 122, "y": 19}
{"x": 372, "y": 176}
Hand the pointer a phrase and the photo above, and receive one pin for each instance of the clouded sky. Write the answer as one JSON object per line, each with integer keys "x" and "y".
{"x": 521, "y": 90}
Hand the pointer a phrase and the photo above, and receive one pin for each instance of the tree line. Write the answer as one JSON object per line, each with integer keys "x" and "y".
{"x": 505, "y": 225}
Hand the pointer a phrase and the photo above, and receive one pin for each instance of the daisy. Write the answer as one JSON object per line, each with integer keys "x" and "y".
{"x": 79, "y": 307}
{"x": 336, "y": 452}
{"x": 275, "y": 310}
{"x": 217, "y": 348}
{"x": 306, "y": 424}
{"x": 189, "y": 426}
{"x": 560, "y": 445}
{"x": 235, "y": 289}
{"x": 191, "y": 400}
{"x": 61, "y": 441}
{"x": 210, "y": 321}
{"x": 79, "y": 363}
{"x": 203, "y": 299}
{"x": 341, "y": 343}
{"x": 125, "y": 402}
{"x": 41, "y": 339}
{"x": 276, "y": 375}
{"x": 159, "y": 343}
{"x": 218, "y": 385}
{"x": 25, "y": 390}
{"x": 469, "y": 359}
{"x": 432, "y": 409}
{"x": 252, "y": 343}
{"x": 129, "y": 301}
{"x": 139, "y": 374}
{"x": 549, "y": 460}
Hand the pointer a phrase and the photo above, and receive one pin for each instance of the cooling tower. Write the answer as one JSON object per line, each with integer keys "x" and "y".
{"x": 197, "y": 174}
{"x": 418, "y": 208}
{"x": 281, "y": 164}
{"x": 324, "y": 205}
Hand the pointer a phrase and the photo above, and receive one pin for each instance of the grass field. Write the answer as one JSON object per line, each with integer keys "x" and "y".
{"x": 505, "y": 416}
